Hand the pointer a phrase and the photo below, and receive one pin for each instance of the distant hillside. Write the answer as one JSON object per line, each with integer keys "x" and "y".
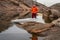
{"x": 56, "y": 6}
{"x": 30, "y": 3}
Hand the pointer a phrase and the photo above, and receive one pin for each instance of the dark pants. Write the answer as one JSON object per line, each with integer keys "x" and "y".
{"x": 34, "y": 15}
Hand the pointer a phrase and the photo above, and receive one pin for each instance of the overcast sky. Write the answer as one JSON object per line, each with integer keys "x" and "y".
{"x": 48, "y": 2}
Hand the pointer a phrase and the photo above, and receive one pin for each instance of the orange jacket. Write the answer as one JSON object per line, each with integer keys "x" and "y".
{"x": 34, "y": 9}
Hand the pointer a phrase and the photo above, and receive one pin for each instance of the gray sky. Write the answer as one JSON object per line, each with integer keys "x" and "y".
{"x": 48, "y": 2}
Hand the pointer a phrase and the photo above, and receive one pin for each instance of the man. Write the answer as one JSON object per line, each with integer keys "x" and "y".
{"x": 34, "y": 11}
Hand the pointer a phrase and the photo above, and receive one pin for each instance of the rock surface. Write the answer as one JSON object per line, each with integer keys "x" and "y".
{"x": 35, "y": 27}
{"x": 56, "y": 6}
{"x": 13, "y": 9}
{"x": 50, "y": 15}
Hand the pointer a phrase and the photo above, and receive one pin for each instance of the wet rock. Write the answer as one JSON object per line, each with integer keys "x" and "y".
{"x": 53, "y": 33}
{"x": 35, "y": 27}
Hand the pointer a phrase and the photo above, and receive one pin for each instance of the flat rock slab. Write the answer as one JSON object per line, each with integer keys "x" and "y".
{"x": 38, "y": 19}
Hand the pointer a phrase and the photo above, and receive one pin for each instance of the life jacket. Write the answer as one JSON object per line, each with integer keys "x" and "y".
{"x": 34, "y": 9}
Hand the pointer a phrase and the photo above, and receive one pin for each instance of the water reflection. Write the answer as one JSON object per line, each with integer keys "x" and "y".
{"x": 4, "y": 25}
{"x": 15, "y": 33}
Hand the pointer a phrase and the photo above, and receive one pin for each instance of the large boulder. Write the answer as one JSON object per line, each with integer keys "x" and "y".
{"x": 54, "y": 32}
{"x": 52, "y": 13}
{"x": 35, "y": 27}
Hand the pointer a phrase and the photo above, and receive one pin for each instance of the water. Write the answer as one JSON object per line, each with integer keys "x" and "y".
{"x": 15, "y": 33}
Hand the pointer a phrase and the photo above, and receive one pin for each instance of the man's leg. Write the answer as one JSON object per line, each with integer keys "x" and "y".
{"x": 33, "y": 15}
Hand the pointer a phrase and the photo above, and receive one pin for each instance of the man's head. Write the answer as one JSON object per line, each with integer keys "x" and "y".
{"x": 34, "y": 5}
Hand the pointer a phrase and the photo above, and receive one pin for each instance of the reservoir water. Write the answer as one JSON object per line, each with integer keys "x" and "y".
{"x": 15, "y": 33}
